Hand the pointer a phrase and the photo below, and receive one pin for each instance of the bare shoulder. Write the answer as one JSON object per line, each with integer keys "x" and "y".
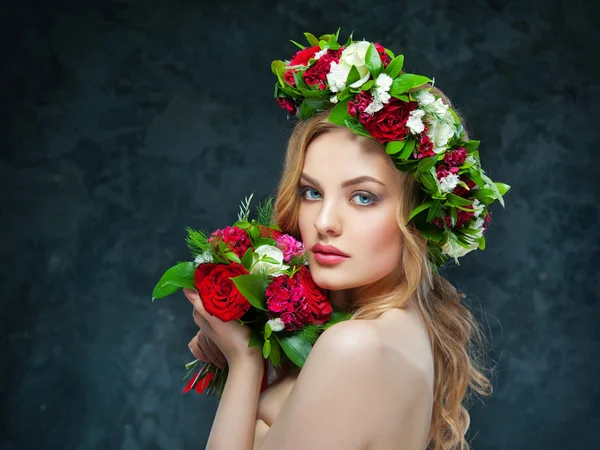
{"x": 355, "y": 387}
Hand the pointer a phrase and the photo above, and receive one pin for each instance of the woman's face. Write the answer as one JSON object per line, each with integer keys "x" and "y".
{"x": 349, "y": 195}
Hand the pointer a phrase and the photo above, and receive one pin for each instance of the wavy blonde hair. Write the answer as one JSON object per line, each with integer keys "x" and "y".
{"x": 456, "y": 338}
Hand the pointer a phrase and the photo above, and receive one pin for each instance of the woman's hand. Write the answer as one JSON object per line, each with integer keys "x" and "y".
{"x": 221, "y": 339}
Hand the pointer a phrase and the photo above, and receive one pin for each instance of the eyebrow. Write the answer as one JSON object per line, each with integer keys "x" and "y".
{"x": 353, "y": 181}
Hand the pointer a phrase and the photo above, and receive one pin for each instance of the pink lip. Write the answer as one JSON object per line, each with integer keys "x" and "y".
{"x": 329, "y": 258}
{"x": 329, "y": 249}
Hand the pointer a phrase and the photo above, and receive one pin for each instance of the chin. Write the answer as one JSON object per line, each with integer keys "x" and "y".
{"x": 334, "y": 279}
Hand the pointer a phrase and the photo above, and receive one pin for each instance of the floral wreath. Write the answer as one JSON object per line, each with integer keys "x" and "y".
{"x": 364, "y": 85}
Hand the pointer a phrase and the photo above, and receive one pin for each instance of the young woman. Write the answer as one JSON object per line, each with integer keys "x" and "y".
{"x": 397, "y": 375}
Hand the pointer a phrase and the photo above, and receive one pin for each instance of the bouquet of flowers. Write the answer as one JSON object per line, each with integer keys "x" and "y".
{"x": 253, "y": 273}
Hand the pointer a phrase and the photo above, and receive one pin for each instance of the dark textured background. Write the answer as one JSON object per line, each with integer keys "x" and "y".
{"x": 124, "y": 121}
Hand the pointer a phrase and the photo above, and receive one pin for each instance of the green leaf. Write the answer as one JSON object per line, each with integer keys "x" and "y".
{"x": 353, "y": 76}
{"x": 392, "y": 148}
{"x": 306, "y": 110}
{"x": 433, "y": 233}
{"x": 255, "y": 339}
{"x": 407, "y": 81}
{"x": 302, "y": 47}
{"x": 456, "y": 200}
{"x": 395, "y": 66}
{"x": 264, "y": 241}
{"x": 426, "y": 163}
{"x": 418, "y": 209}
{"x": 453, "y": 216}
{"x": 434, "y": 210}
{"x": 429, "y": 180}
{"x": 266, "y": 348}
{"x": 311, "y": 39}
{"x": 253, "y": 288}
{"x": 275, "y": 355}
{"x": 345, "y": 94}
{"x": 368, "y": 85}
{"x": 339, "y": 113}
{"x": 481, "y": 241}
{"x": 269, "y": 260}
{"x": 318, "y": 103}
{"x": 247, "y": 259}
{"x": 233, "y": 257}
{"x": 278, "y": 68}
{"x": 356, "y": 127}
{"x": 268, "y": 330}
{"x": 295, "y": 347}
{"x": 373, "y": 61}
{"x": 332, "y": 43}
{"x": 408, "y": 149}
{"x": 502, "y": 188}
{"x": 471, "y": 146}
{"x": 175, "y": 278}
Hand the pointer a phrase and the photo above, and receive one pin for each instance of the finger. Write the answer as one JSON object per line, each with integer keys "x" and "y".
{"x": 196, "y": 350}
{"x": 208, "y": 350}
{"x": 195, "y": 299}
{"x": 200, "y": 321}
{"x": 216, "y": 350}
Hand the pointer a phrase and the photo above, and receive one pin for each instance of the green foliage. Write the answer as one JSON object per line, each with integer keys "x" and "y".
{"x": 179, "y": 276}
{"x": 265, "y": 212}
{"x": 197, "y": 241}
{"x": 253, "y": 288}
{"x": 244, "y": 213}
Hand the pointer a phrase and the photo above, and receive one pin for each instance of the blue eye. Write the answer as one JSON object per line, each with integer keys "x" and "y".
{"x": 364, "y": 199}
{"x": 305, "y": 191}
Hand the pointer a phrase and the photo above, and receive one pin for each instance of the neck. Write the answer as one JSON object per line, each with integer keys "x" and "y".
{"x": 349, "y": 299}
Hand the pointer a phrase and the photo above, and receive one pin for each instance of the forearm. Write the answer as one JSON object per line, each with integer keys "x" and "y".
{"x": 235, "y": 421}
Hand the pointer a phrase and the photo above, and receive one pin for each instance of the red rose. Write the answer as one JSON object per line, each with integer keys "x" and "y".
{"x": 316, "y": 298}
{"x": 301, "y": 58}
{"x": 220, "y": 297}
{"x": 389, "y": 123}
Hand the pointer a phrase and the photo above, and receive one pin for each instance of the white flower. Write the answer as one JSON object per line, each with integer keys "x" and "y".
{"x": 276, "y": 324}
{"x": 272, "y": 268}
{"x": 424, "y": 97}
{"x": 440, "y": 132}
{"x": 478, "y": 207}
{"x": 451, "y": 248}
{"x": 353, "y": 55}
{"x": 320, "y": 53}
{"x": 448, "y": 183}
{"x": 380, "y": 93}
{"x": 333, "y": 99}
{"x": 415, "y": 121}
{"x": 202, "y": 258}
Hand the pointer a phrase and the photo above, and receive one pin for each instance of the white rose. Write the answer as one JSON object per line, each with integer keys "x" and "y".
{"x": 353, "y": 55}
{"x": 440, "y": 132}
{"x": 415, "y": 121}
{"x": 424, "y": 97}
{"x": 450, "y": 248}
{"x": 272, "y": 268}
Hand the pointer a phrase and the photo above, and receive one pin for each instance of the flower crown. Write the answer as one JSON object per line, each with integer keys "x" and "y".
{"x": 364, "y": 85}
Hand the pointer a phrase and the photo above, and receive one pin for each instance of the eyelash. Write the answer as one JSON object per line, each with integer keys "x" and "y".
{"x": 302, "y": 190}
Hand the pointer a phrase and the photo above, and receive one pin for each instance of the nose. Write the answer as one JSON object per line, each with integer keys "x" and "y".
{"x": 328, "y": 220}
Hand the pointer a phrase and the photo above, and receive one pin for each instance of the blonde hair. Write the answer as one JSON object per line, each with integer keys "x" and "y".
{"x": 453, "y": 330}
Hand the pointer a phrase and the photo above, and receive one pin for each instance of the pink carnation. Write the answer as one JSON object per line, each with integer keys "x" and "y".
{"x": 235, "y": 238}
{"x": 289, "y": 246}
{"x": 286, "y": 299}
